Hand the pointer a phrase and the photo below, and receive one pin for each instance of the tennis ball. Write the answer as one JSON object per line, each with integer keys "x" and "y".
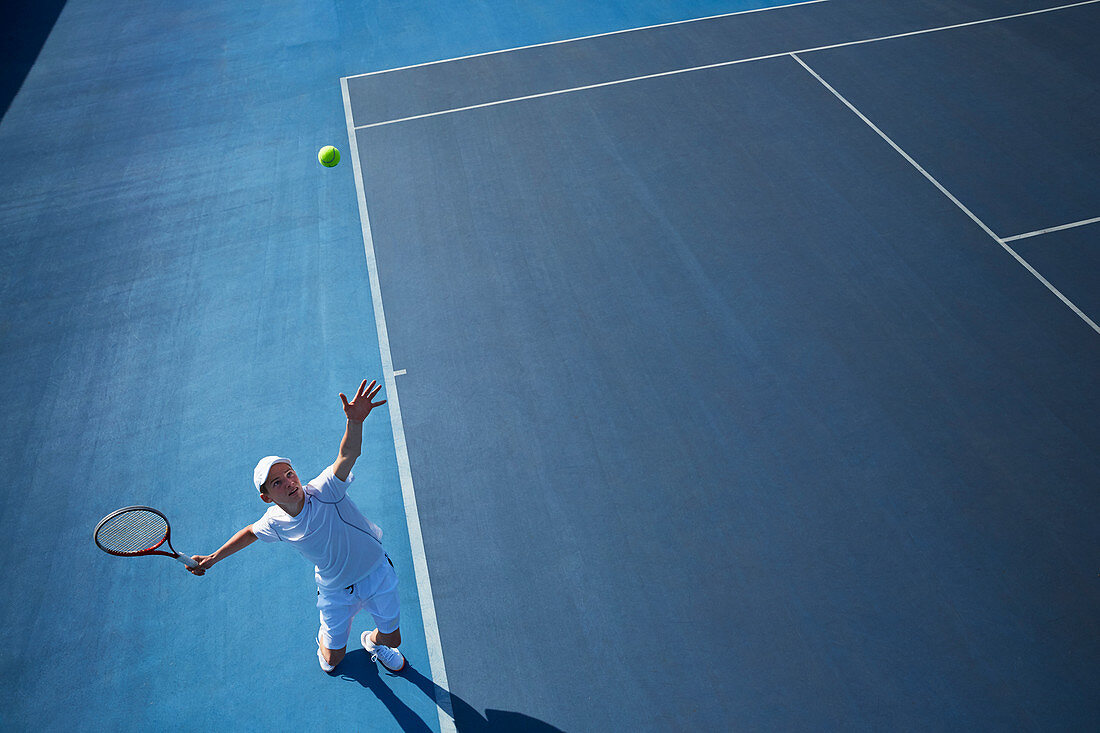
{"x": 329, "y": 156}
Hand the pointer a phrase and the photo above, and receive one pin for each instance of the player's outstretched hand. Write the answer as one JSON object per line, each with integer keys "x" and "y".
{"x": 204, "y": 563}
{"x": 361, "y": 405}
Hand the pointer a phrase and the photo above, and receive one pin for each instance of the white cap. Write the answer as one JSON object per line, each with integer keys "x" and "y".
{"x": 259, "y": 476}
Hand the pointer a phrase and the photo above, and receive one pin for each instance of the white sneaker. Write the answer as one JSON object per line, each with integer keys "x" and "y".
{"x": 389, "y": 658}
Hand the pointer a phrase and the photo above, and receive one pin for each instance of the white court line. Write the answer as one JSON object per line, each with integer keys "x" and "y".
{"x": 1052, "y": 229}
{"x": 582, "y": 38}
{"x": 949, "y": 195}
{"x": 412, "y": 516}
{"x": 720, "y": 65}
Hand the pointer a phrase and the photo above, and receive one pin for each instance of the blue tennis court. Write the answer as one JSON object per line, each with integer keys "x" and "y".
{"x": 741, "y": 362}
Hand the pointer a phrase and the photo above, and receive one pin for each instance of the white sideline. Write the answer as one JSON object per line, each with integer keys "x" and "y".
{"x": 412, "y": 516}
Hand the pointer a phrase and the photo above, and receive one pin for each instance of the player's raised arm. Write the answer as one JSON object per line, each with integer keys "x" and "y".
{"x": 356, "y": 411}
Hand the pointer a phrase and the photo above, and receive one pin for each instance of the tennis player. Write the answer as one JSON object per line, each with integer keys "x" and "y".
{"x": 321, "y": 522}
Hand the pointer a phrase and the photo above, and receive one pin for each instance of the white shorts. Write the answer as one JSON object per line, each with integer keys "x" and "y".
{"x": 377, "y": 593}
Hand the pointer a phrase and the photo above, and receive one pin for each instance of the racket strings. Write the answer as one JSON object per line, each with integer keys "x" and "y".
{"x": 133, "y": 532}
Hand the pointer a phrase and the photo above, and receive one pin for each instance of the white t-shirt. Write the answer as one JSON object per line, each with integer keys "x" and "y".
{"x": 330, "y": 532}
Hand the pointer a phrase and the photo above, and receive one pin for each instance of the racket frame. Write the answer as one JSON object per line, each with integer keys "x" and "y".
{"x": 186, "y": 560}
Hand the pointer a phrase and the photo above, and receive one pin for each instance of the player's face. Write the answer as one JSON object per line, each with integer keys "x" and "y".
{"x": 282, "y": 485}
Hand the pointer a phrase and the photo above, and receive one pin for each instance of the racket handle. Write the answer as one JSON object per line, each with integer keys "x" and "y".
{"x": 187, "y": 561}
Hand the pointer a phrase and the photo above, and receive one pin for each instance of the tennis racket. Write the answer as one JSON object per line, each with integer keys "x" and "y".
{"x": 137, "y": 530}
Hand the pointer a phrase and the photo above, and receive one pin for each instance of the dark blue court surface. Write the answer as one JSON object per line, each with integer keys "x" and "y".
{"x": 742, "y": 372}
{"x": 729, "y": 415}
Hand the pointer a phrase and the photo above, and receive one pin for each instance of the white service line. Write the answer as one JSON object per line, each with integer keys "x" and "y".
{"x": 950, "y": 196}
{"x": 412, "y": 516}
{"x": 582, "y": 38}
{"x": 1052, "y": 229}
{"x": 719, "y": 64}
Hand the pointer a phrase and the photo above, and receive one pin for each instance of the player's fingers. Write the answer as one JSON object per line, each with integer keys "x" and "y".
{"x": 362, "y": 389}
{"x": 344, "y": 399}
{"x": 372, "y": 390}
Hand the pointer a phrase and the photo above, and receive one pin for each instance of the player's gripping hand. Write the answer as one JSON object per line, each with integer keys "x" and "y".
{"x": 204, "y": 563}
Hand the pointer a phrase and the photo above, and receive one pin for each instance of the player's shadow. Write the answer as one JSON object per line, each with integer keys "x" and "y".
{"x": 357, "y": 666}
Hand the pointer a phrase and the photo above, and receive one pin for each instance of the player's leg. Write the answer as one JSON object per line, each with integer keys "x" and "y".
{"x": 336, "y": 611}
{"x": 392, "y": 639}
{"x": 329, "y": 657}
{"x": 384, "y": 605}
